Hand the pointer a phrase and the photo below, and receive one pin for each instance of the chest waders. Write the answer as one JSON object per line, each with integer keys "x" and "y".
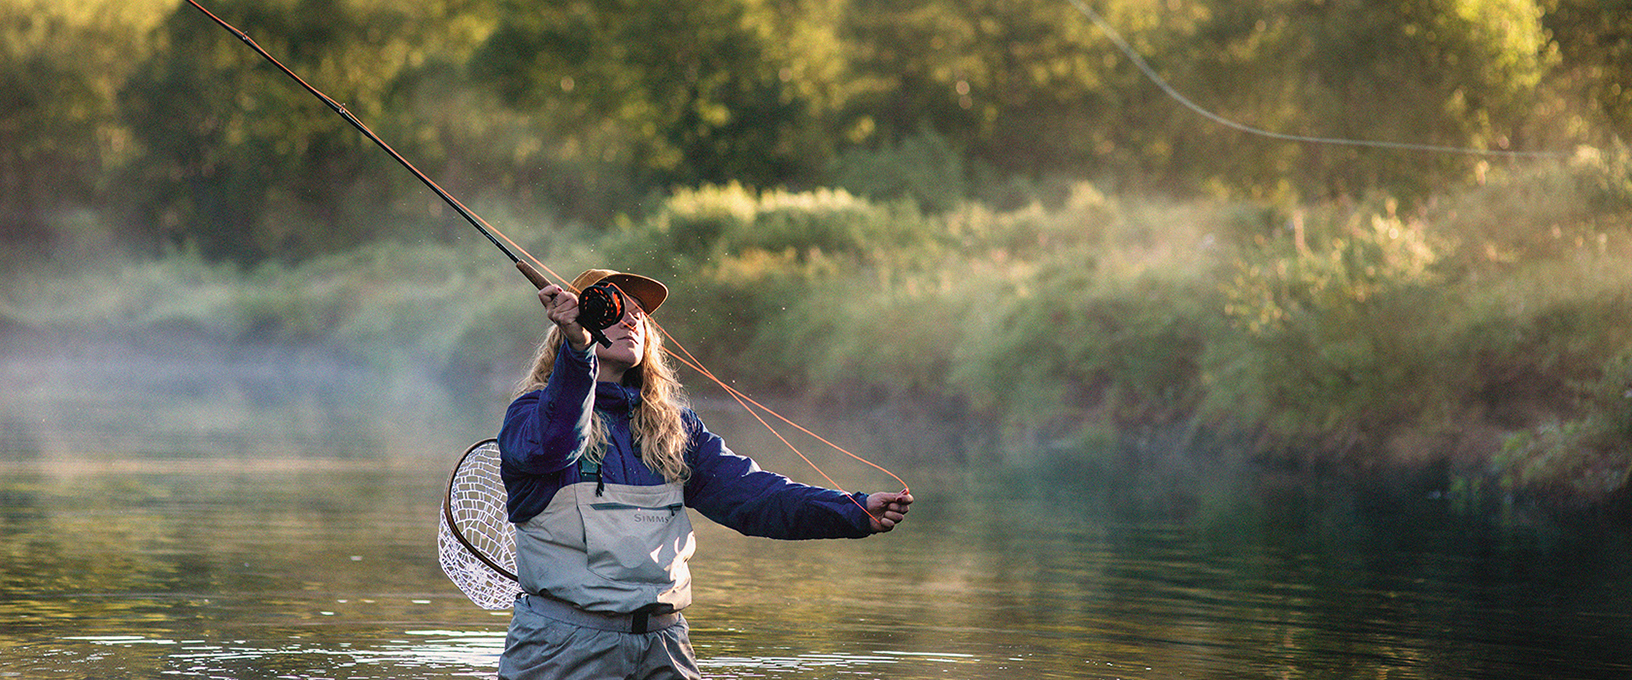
{"x": 605, "y": 570}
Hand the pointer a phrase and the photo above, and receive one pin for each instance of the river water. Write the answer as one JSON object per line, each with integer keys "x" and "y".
{"x": 273, "y": 525}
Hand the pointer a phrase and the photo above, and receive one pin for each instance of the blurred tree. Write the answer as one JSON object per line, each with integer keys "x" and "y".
{"x": 58, "y": 127}
{"x": 589, "y": 107}
{"x": 244, "y": 164}
{"x": 1456, "y": 73}
{"x": 1029, "y": 87}
{"x": 1594, "y": 38}
{"x": 679, "y": 93}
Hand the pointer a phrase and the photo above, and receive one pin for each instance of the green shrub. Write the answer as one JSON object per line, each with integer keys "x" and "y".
{"x": 1071, "y": 351}
{"x": 1334, "y": 349}
{"x": 1585, "y": 458}
{"x": 736, "y": 261}
{"x": 1605, "y": 178}
{"x": 924, "y": 168}
{"x": 1328, "y": 333}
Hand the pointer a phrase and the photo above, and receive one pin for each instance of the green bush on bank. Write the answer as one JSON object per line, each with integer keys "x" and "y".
{"x": 1586, "y": 457}
{"x": 1332, "y": 339}
{"x": 740, "y": 264}
{"x": 1345, "y": 333}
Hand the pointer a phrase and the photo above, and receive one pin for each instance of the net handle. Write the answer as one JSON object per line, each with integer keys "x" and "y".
{"x": 453, "y": 525}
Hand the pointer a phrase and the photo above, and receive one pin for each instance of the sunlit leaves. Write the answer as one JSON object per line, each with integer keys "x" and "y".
{"x": 242, "y": 163}
{"x": 1333, "y": 280}
{"x": 58, "y": 125}
{"x": 1460, "y": 73}
{"x": 590, "y": 108}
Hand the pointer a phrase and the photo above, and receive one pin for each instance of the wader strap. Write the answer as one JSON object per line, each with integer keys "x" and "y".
{"x": 589, "y": 469}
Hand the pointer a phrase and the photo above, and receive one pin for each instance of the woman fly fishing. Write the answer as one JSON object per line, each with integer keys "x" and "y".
{"x": 600, "y": 459}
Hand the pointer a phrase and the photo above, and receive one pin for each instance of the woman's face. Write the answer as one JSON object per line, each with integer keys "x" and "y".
{"x": 628, "y": 338}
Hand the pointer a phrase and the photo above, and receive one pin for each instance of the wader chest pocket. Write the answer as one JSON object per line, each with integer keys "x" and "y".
{"x": 637, "y": 534}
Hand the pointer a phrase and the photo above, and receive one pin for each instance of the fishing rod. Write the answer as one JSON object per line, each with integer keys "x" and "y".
{"x": 600, "y": 306}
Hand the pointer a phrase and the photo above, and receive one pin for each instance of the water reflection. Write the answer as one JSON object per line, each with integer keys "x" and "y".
{"x": 134, "y": 543}
{"x": 442, "y": 652}
{"x": 827, "y": 665}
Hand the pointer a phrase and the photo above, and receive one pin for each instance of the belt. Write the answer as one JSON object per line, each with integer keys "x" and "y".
{"x": 638, "y": 622}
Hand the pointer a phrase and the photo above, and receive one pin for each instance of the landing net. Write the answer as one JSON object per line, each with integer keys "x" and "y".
{"x": 475, "y": 541}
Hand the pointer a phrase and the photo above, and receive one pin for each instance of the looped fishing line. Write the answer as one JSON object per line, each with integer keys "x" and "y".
{"x": 1160, "y": 82}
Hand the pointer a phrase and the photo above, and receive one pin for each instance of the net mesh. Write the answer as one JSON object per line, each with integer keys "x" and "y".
{"x": 483, "y": 564}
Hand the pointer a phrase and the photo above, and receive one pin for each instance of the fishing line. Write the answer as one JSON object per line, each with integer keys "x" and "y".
{"x": 1139, "y": 61}
{"x": 531, "y": 265}
{"x": 744, "y": 401}
{"x": 692, "y": 362}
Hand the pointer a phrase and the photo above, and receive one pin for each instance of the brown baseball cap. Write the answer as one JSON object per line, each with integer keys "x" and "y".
{"x": 646, "y": 291}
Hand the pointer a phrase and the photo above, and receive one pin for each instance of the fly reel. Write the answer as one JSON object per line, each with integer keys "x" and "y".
{"x": 599, "y": 307}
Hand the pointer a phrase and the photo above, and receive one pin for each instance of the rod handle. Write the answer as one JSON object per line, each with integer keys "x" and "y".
{"x": 527, "y": 270}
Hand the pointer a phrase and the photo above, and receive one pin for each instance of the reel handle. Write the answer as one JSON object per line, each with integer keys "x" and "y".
{"x": 599, "y": 337}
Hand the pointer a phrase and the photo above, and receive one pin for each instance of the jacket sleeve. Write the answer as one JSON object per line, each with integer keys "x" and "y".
{"x": 732, "y": 490}
{"x": 544, "y": 428}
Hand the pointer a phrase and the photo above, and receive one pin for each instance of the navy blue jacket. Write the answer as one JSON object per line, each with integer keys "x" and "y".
{"x": 544, "y": 428}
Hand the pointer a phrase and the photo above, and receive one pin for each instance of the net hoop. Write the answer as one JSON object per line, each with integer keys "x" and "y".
{"x": 475, "y": 540}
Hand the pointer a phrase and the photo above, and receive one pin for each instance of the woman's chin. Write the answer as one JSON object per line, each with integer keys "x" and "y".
{"x": 620, "y": 353}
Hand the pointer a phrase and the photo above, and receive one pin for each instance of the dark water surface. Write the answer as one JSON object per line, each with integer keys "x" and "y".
{"x": 270, "y": 527}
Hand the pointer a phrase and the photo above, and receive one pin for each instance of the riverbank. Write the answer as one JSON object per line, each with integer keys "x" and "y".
{"x": 1485, "y": 334}
{"x": 1175, "y": 471}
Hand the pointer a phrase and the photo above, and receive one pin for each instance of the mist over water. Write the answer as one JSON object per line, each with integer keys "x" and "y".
{"x": 205, "y": 512}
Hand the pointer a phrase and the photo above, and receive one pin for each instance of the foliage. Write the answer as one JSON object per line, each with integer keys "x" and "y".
{"x": 683, "y": 93}
{"x": 1594, "y": 38}
{"x": 924, "y": 168}
{"x": 58, "y": 138}
{"x": 1098, "y": 325}
{"x": 973, "y": 204}
{"x": 1026, "y": 85}
{"x": 1446, "y": 72}
{"x": 1582, "y": 459}
{"x": 245, "y": 165}
{"x": 148, "y": 113}
{"x": 742, "y": 258}
{"x": 1330, "y": 348}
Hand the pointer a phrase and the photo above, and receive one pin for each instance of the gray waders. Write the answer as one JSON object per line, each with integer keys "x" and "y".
{"x": 604, "y": 566}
